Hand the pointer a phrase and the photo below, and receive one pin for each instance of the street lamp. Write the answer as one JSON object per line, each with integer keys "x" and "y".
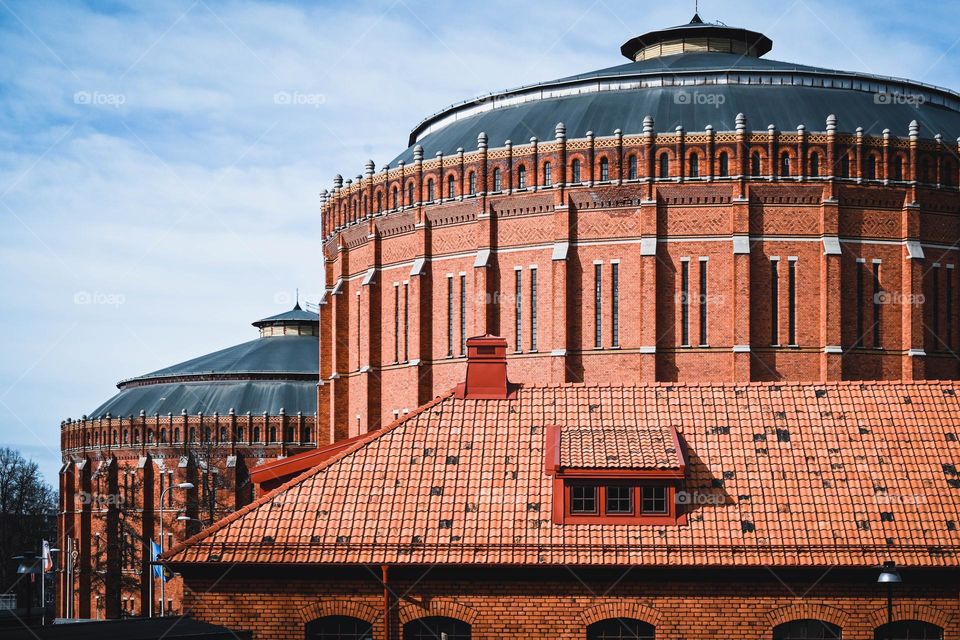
{"x": 182, "y": 485}
{"x": 889, "y": 576}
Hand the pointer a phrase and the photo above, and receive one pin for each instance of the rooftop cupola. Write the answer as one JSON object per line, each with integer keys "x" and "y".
{"x": 295, "y": 322}
{"x": 696, "y": 36}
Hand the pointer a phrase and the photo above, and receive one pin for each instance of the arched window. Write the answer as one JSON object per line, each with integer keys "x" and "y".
{"x": 845, "y": 166}
{"x": 946, "y": 173}
{"x": 870, "y": 171}
{"x": 547, "y": 174}
{"x": 785, "y": 165}
{"x": 621, "y": 629}
{"x": 814, "y": 165}
{"x": 396, "y": 197}
{"x": 206, "y": 434}
{"x": 451, "y": 187}
{"x": 223, "y": 434}
{"x": 908, "y": 630}
{"x": 898, "y": 168}
{"x": 409, "y": 194}
{"x": 472, "y": 179}
{"x": 632, "y": 168}
{"x": 664, "y": 165}
{"x": 256, "y": 434}
{"x": 755, "y": 164}
{"x": 724, "y": 164}
{"x": 521, "y": 177}
{"x": 379, "y": 201}
{"x": 273, "y": 434}
{"x": 694, "y": 163}
{"x": 806, "y": 630}
{"x": 163, "y": 435}
{"x": 575, "y": 172}
{"x": 430, "y": 190}
{"x": 193, "y": 434}
{"x": 176, "y": 434}
{"x": 436, "y": 627}
{"x": 925, "y": 170}
{"x": 126, "y": 436}
{"x": 604, "y": 169}
{"x": 497, "y": 182}
{"x": 339, "y": 628}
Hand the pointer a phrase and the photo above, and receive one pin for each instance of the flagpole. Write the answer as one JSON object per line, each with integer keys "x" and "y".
{"x": 150, "y": 589}
{"x": 43, "y": 588}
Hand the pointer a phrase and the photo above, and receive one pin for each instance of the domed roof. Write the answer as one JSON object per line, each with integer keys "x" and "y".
{"x": 278, "y": 370}
{"x": 692, "y": 76}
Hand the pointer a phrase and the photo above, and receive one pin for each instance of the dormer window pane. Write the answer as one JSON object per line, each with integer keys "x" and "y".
{"x": 654, "y": 500}
{"x": 619, "y": 499}
{"x": 583, "y": 498}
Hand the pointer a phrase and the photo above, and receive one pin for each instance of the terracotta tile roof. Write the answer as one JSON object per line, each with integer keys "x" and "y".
{"x": 630, "y": 446}
{"x": 793, "y": 474}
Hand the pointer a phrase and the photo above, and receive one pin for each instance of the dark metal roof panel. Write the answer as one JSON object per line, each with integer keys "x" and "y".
{"x": 275, "y": 354}
{"x": 217, "y": 396}
{"x": 294, "y": 315}
{"x": 784, "y": 106}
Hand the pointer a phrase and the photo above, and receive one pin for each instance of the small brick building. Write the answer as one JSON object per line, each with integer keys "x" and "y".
{"x": 739, "y": 510}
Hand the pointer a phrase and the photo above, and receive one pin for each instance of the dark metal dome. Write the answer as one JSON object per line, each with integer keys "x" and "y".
{"x": 273, "y": 372}
{"x": 692, "y": 83}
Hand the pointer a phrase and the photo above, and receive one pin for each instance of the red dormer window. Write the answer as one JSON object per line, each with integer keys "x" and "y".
{"x": 615, "y": 475}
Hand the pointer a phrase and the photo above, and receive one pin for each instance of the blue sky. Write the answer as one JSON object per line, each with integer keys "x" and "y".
{"x": 156, "y": 196}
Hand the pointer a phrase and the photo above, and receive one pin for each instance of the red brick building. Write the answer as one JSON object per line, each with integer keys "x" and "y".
{"x": 206, "y": 422}
{"x": 728, "y": 296}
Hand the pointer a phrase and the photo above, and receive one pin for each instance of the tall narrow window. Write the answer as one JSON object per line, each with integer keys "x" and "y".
{"x": 861, "y": 292}
{"x": 521, "y": 177}
{"x": 410, "y": 194}
{"x": 871, "y": 168}
{"x": 664, "y": 165}
{"x": 463, "y": 314}
{"x": 632, "y": 168}
{"x": 774, "y": 302}
{"x": 755, "y": 164}
{"x": 406, "y": 322}
{"x": 785, "y": 165}
{"x": 898, "y": 168}
{"x": 950, "y": 307}
{"x": 518, "y": 310}
{"x": 597, "y": 306}
{"x": 704, "y": 294}
{"x": 449, "y": 316}
{"x": 877, "y": 299}
{"x": 396, "y": 197}
{"x": 497, "y": 182}
{"x": 935, "y": 311}
{"x": 615, "y": 304}
{"x": 451, "y": 187}
{"x": 430, "y": 190}
{"x": 925, "y": 170}
{"x": 814, "y": 165}
{"x": 694, "y": 166}
{"x": 792, "y": 301}
{"x": 396, "y": 323}
{"x": 533, "y": 309}
{"x": 575, "y": 172}
{"x": 604, "y": 169}
{"x": 473, "y": 183}
{"x": 379, "y": 202}
{"x": 685, "y": 303}
{"x": 547, "y": 174}
{"x": 724, "y": 164}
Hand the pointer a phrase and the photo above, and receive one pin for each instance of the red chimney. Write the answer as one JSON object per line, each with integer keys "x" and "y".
{"x": 486, "y": 369}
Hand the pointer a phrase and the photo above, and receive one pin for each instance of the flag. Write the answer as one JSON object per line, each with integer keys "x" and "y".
{"x": 159, "y": 571}
{"x": 47, "y": 557}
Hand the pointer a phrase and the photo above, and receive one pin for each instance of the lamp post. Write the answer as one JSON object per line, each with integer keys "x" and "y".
{"x": 182, "y": 485}
{"x": 889, "y": 576}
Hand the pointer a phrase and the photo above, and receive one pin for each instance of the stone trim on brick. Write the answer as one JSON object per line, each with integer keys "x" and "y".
{"x": 807, "y": 611}
{"x": 350, "y": 608}
{"x": 436, "y": 607}
{"x": 912, "y": 611}
{"x": 624, "y": 609}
